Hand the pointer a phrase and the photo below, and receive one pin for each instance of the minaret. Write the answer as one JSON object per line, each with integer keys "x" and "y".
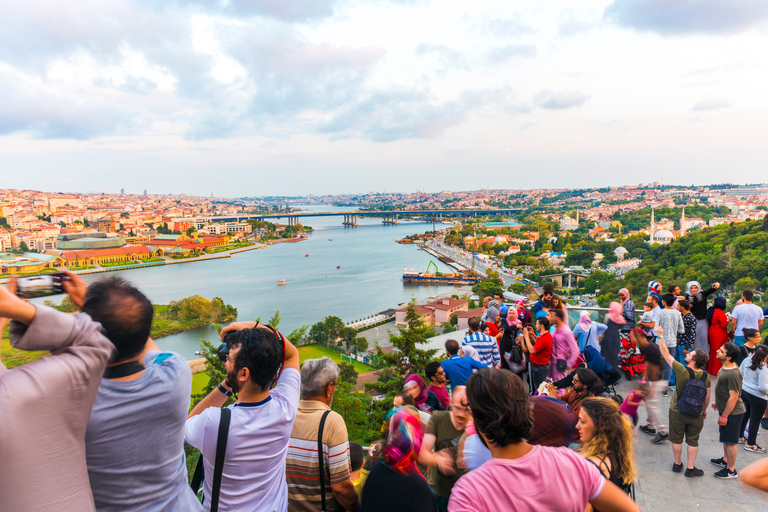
{"x": 682, "y": 222}
{"x": 578, "y": 212}
{"x": 653, "y": 225}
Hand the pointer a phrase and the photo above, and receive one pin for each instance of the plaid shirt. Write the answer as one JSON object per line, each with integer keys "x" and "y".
{"x": 687, "y": 338}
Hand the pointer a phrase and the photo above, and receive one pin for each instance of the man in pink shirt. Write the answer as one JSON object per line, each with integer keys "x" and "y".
{"x": 520, "y": 476}
{"x": 436, "y": 376}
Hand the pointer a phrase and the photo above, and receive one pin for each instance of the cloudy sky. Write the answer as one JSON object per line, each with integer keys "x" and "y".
{"x": 262, "y": 97}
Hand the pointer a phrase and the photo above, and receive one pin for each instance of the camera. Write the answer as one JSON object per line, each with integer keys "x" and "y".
{"x": 223, "y": 352}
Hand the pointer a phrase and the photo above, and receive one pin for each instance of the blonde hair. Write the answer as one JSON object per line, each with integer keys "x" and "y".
{"x": 613, "y": 435}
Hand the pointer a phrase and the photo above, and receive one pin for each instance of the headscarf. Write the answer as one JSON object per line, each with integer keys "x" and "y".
{"x": 423, "y": 394}
{"x": 512, "y": 318}
{"x": 520, "y": 303}
{"x": 404, "y": 441}
{"x": 614, "y": 313}
{"x": 626, "y": 294}
{"x": 720, "y": 303}
{"x": 691, "y": 296}
{"x": 654, "y": 287}
{"x": 494, "y": 304}
{"x": 490, "y": 314}
{"x": 584, "y": 320}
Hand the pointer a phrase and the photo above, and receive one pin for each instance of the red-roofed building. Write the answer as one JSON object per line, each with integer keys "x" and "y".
{"x": 434, "y": 313}
{"x": 115, "y": 255}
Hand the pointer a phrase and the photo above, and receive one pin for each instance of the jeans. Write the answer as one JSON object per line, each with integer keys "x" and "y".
{"x": 538, "y": 374}
{"x": 680, "y": 358}
{"x": 739, "y": 340}
{"x": 652, "y": 407}
{"x": 755, "y": 409}
{"x": 668, "y": 369}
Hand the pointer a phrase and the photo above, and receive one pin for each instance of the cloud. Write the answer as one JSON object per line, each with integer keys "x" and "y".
{"x": 712, "y": 104}
{"x": 510, "y": 52}
{"x": 507, "y": 27}
{"x": 575, "y": 26}
{"x": 559, "y": 100}
{"x": 286, "y": 10}
{"x": 450, "y": 59}
{"x": 673, "y": 17}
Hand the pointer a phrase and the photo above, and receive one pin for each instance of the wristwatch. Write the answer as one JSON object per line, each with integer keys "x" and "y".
{"x": 224, "y": 390}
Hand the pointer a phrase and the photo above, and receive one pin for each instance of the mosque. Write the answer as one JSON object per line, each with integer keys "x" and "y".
{"x": 664, "y": 236}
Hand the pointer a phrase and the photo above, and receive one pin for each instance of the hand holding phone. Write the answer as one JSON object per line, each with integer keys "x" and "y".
{"x": 29, "y": 287}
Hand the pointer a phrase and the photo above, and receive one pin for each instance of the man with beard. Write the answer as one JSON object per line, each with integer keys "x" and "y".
{"x": 253, "y": 477}
{"x": 318, "y": 428}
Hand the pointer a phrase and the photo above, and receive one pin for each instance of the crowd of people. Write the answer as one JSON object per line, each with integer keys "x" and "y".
{"x": 520, "y": 414}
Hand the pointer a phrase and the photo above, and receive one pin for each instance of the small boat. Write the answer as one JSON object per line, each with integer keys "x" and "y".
{"x": 306, "y": 255}
{"x": 338, "y": 266}
{"x": 282, "y": 282}
{"x": 201, "y": 352}
{"x": 330, "y": 239}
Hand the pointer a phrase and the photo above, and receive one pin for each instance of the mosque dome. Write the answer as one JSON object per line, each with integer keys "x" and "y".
{"x": 620, "y": 250}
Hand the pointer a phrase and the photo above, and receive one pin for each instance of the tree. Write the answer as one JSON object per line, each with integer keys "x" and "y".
{"x": 347, "y": 335}
{"x": 347, "y": 373}
{"x": 361, "y": 344}
{"x": 297, "y": 335}
{"x": 409, "y": 358}
{"x": 23, "y": 246}
{"x": 214, "y": 368}
{"x": 275, "y": 319}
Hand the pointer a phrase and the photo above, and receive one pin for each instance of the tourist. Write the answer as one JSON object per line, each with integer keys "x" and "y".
{"x": 698, "y": 300}
{"x": 585, "y": 384}
{"x": 717, "y": 335}
{"x": 595, "y": 362}
{"x": 654, "y": 287}
{"x": 510, "y": 327}
{"x": 143, "y": 400}
{"x": 565, "y": 350}
{"x": 307, "y": 492}
{"x": 486, "y": 347}
{"x": 458, "y": 368}
{"x": 688, "y": 407}
{"x": 756, "y": 475}
{"x": 522, "y": 312}
{"x": 654, "y": 425}
{"x": 424, "y": 399}
{"x": 655, "y": 300}
{"x": 754, "y": 393}
{"x": 357, "y": 473}
{"x": 627, "y": 310}
{"x": 606, "y": 440}
{"x": 586, "y": 331}
{"x": 647, "y": 316}
{"x": 611, "y": 344}
{"x": 671, "y": 322}
{"x": 438, "y": 449}
{"x": 395, "y": 483}
{"x": 538, "y": 350}
{"x": 540, "y": 308}
{"x": 521, "y": 476}
{"x": 751, "y": 341}
{"x": 436, "y": 376}
{"x": 687, "y": 340}
{"x": 490, "y": 318}
{"x": 731, "y": 409}
{"x": 45, "y": 404}
{"x": 253, "y": 476}
{"x": 745, "y": 315}
{"x": 633, "y": 401}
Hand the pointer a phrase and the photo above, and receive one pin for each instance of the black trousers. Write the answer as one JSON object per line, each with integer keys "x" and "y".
{"x": 755, "y": 409}
{"x": 538, "y": 374}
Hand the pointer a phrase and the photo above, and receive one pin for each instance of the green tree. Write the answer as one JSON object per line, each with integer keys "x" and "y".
{"x": 347, "y": 373}
{"x": 275, "y": 319}
{"x": 23, "y": 247}
{"x": 409, "y": 358}
{"x": 297, "y": 335}
{"x": 361, "y": 344}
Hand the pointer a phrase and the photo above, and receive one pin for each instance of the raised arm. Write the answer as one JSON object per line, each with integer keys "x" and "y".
{"x": 663, "y": 346}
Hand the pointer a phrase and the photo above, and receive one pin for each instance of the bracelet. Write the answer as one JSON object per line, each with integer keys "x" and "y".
{"x": 224, "y": 390}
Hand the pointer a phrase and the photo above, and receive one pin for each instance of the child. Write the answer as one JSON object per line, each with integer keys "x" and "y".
{"x": 647, "y": 313}
{"x": 633, "y": 401}
{"x": 358, "y": 475}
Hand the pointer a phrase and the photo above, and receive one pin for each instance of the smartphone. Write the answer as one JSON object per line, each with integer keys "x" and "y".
{"x": 40, "y": 286}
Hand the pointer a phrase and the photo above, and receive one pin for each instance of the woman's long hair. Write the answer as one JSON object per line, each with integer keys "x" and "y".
{"x": 612, "y": 438}
{"x": 758, "y": 358}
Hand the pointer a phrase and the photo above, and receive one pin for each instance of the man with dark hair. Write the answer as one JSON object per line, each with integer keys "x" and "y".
{"x": 538, "y": 350}
{"x": 458, "y": 369}
{"x": 487, "y": 348}
{"x": 254, "y": 469}
{"x": 143, "y": 400}
{"x": 671, "y": 321}
{"x": 745, "y": 315}
{"x": 648, "y": 327}
{"x": 565, "y": 349}
{"x": 520, "y": 476}
{"x": 548, "y": 292}
{"x": 436, "y": 376}
{"x": 731, "y": 409}
{"x": 45, "y": 404}
{"x": 585, "y": 384}
{"x": 687, "y": 420}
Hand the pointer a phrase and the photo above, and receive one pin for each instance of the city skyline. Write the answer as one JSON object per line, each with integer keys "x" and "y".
{"x": 293, "y": 98}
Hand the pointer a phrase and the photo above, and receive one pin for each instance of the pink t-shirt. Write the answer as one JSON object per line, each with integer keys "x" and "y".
{"x": 441, "y": 394}
{"x": 545, "y": 479}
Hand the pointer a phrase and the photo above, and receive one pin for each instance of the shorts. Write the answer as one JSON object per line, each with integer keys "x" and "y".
{"x": 683, "y": 425}
{"x": 729, "y": 434}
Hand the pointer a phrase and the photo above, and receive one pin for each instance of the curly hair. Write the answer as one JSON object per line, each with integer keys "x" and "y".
{"x": 499, "y": 403}
{"x": 612, "y": 438}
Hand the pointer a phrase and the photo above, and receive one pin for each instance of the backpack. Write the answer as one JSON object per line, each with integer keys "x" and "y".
{"x": 690, "y": 401}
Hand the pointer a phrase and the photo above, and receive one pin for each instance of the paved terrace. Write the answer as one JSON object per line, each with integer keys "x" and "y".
{"x": 658, "y": 489}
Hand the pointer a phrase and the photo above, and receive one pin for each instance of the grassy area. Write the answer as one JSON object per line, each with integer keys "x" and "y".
{"x": 199, "y": 380}
{"x": 166, "y": 323}
{"x": 12, "y": 357}
{"x": 317, "y": 351}
{"x": 81, "y": 267}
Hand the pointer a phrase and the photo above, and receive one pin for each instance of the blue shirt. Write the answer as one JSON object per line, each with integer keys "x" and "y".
{"x": 459, "y": 369}
{"x": 588, "y": 338}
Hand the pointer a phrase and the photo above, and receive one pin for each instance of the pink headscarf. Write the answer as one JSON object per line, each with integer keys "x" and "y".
{"x": 423, "y": 394}
{"x": 584, "y": 320}
{"x": 624, "y": 292}
{"x": 512, "y": 320}
{"x": 614, "y": 313}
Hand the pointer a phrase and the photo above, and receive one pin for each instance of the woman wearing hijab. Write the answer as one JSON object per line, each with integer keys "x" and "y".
{"x": 586, "y": 332}
{"x": 718, "y": 333}
{"x": 627, "y": 310}
{"x": 396, "y": 483}
{"x": 611, "y": 345}
{"x": 698, "y": 300}
{"x": 425, "y": 400}
{"x": 522, "y": 313}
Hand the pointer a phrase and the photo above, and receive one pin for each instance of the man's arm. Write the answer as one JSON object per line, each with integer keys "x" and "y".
{"x": 733, "y": 398}
{"x": 346, "y": 495}
{"x": 680, "y": 326}
{"x": 663, "y": 346}
{"x": 733, "y": 323}
{"x": 706, "y": 402}
{"x": 756, "y": 475}
{"x": 760, "y": 324}
{"x": 14, "y": 308}
{"x": 440, "y": 459}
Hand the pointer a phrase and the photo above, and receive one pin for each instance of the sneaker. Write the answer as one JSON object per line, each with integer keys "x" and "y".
{"x": 647, "y": 429}
{"x": 755, "y": 449}
{"x": 677, "y": 468}
{"x": 719, "y": 462}
{"x": 666, "y": 392}
{"x": 726, "y": 473}
{"x": 693, "y": 472}
{"x": 660, "y": 438}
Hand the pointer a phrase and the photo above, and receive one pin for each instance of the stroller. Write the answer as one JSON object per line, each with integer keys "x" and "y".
{"x": 631, "y": 362}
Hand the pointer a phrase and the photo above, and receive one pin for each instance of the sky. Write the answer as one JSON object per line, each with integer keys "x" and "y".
{"x": 295, "y": 97}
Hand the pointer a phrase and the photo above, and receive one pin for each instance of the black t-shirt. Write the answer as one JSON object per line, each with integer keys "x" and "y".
{"x": 387, "y": 490}
{"x": 744, "y": 352}
{"x": 652, "y": 355}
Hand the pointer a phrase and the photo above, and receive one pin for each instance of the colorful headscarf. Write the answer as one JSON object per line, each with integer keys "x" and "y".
{"x": 585, "y": 320}
{"x": 654, "y": 287}
{"x": 404, "y": 441}
{"x": 614, "y": 313}
{"x": 625, "y": 292}
{"x": 422, "y": 398}
{"x": 520, "y": 303}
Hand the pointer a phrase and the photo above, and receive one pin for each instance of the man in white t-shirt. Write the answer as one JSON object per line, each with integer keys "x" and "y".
{"x": 745, "y": 315}
{"x": 253, "y": 477}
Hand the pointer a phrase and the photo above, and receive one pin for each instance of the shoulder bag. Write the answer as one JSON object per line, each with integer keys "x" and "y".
{"x": 221, "y": 449}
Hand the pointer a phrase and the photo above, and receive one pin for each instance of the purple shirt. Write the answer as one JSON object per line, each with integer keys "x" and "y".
{"x": 441, "y": 393}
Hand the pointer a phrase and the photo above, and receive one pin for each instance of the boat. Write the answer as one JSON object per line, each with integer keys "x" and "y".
{"x": 414, "y": 276}
{"x": 201, "y": 352}
{"x": 282, "y": 282}
{"x": 330, "y": 239}
{"x": 338, "y": 266}
{"x": 306, "y": 255}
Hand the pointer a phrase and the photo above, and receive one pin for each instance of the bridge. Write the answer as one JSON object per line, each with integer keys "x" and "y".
{"x": 350, "y": 218}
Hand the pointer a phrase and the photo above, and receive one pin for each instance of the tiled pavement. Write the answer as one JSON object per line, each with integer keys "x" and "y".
{"x": 658, "y": 489}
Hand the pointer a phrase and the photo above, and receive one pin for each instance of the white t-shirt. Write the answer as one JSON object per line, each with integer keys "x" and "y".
{"x": 253, "y": 477}
{"x": 747, "y": 316}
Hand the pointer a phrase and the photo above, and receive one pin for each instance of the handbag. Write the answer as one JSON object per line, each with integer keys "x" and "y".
{"x": 221, "y": 450}
{"x": 516, "y": 355}
{"x": 561, "y": 365}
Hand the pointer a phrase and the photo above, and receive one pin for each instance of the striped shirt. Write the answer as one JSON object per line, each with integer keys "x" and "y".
{"x": 487, "y": 348}
{"x": 302, "y": 462}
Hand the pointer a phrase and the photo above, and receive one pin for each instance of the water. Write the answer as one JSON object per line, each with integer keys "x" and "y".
{"x": 369, "y": 280}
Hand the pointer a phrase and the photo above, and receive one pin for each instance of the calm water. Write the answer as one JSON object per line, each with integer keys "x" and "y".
{"x": 369, "y": 280}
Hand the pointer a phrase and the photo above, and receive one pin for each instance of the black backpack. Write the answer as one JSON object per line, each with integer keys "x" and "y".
{"x": 690, "y": 401}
